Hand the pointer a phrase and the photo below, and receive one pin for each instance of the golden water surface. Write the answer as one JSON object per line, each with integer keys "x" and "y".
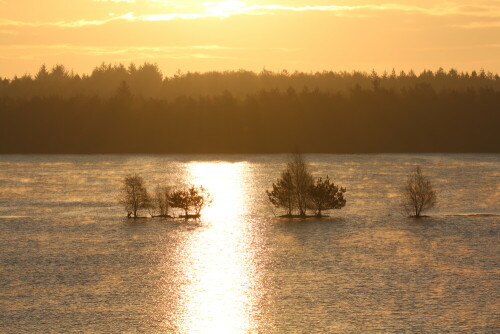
{"x": 71, "y": 262}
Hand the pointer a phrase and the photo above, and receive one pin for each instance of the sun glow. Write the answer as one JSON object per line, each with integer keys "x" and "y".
{"x": 219, "y": 295}
{"x": 224, "y": 8}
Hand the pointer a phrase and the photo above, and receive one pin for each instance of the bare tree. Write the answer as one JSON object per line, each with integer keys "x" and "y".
{"x": 417, "y": 194}
{"x": 200, "y": 198}
{"x": 160, "y": 205}
{"x": 302, "y": 181}
{"x": 291, "y": 191}
{"x": 134, "y": 195}
{"x": 324, "y": 195}
{"x": 283, "y": 193}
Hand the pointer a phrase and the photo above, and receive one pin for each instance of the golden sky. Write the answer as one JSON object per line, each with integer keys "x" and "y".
{"x": 255, "y": 34}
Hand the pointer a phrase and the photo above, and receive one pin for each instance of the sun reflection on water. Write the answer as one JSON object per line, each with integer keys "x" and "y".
{"x": 224, "y": 181}
{"x": 217, "y": 298}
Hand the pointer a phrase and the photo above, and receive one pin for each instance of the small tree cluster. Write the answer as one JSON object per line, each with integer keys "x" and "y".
{"x": 135, "y": 197}
{"x": 191, "y": 200}
{"x": 296, "y": 191}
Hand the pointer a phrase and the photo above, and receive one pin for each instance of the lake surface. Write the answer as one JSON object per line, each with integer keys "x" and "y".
{"x": 71, "y": 262}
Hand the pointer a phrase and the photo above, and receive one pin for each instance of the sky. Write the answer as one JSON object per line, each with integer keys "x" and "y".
{"x": 191, "y": 35}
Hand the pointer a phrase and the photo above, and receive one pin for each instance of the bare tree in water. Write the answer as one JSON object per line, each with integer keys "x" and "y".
{"x": 292, "y": 189}
{"x": 302, "y": 181}
{"x": 134, "y": 195}
{"x": 160, "y": 205}
{"x": 417, "y": 194}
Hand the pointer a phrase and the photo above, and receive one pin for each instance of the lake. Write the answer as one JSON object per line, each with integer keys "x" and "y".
{"x": 71, "y": 262}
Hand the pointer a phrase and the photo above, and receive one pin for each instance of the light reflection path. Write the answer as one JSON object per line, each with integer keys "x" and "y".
{"x": 218, "y": 296}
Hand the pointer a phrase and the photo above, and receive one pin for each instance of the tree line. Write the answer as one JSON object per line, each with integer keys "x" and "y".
{"x": 363, "y": 120}
{"x": 148, "y": 81}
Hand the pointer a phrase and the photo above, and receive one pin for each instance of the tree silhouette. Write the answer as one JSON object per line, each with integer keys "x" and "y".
{"x": 134, "y": 195}
{"x": 324, "y": 195}
{"x": 417, "y": 194}
{"x": 147, "y": 81}
{"x": 160, "y": 203}
{"x": 283, "y": 195}
{"x": 191, "y": 200}
{"x": 246, "y": 112}
{"x": 296, "y": 190}
{"x": 302, "y": 181}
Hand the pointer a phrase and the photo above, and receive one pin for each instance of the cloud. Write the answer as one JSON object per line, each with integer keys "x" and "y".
{"x": 478, "y": 25}
{"x": 448, "y": 8}
{"x": 224, "y": 9}
{"x": 134, "y": 52}
{"x": 9, "y": 32}
{"x": 172, "y": 52}
{"x": 64, "y": 24}
{"x": 126, "y": 1}
{"x": 462, "y": 47}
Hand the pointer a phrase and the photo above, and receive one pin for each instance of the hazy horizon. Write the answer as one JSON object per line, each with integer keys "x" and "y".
{"x": 264, "y": 70}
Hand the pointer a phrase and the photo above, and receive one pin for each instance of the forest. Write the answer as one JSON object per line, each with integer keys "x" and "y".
{"x": 135, "y": 109}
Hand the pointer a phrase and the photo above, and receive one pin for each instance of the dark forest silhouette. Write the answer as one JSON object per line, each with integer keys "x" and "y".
{"x": 136, "y": 110}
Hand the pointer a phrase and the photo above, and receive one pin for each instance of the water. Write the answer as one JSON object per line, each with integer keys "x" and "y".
{"x": 71, "y": 262}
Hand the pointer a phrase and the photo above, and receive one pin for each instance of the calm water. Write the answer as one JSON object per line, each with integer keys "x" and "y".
{"x": 70, "y": 262}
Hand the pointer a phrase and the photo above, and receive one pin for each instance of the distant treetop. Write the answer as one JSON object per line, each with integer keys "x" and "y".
{"x": 148, "y": 81}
